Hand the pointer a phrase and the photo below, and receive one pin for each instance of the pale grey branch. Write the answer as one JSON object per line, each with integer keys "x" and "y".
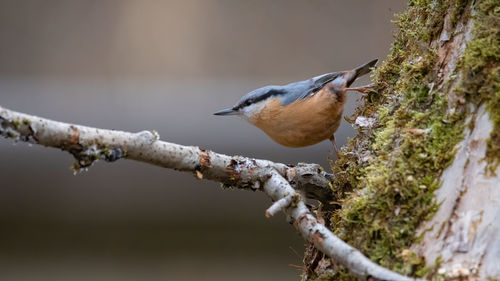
{"x": 88, "y": 144}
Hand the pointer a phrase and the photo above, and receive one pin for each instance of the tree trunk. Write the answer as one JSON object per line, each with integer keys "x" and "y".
{"x": 419, "y": 187}
{"x": 417, "y": 190}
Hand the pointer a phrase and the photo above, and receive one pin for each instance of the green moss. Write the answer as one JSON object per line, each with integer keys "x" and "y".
{"x": 386, "y": 176}
{"x": 480, "y": 72}
{"x": 325, "y": 276}
{"x": 16, "y": 129}
{"x": 16, "y": 123}
{"x": 457, "y": 11}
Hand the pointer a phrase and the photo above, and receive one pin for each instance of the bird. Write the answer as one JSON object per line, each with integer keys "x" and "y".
{"x": 301, "y": 113}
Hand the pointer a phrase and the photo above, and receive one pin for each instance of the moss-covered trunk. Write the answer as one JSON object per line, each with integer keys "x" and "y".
{"x": 419, "y": 187}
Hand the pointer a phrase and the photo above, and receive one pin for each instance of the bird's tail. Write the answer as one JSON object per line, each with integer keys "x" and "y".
{"x": 359, "y": 71}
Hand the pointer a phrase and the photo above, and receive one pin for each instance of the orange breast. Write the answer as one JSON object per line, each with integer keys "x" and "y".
{"x": 303, "y": 122}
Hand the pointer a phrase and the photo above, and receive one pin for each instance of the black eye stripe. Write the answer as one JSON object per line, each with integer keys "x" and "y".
{"x": 258, "y": 98}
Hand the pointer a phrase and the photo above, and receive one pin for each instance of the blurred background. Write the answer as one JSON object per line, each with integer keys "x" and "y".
{"x": 163, "y": 65}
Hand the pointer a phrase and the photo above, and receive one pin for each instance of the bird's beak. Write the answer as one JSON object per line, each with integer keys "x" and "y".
{"x": 228, "y": 111}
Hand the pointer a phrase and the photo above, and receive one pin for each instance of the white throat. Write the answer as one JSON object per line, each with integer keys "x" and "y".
{"x": 250, "y": 111}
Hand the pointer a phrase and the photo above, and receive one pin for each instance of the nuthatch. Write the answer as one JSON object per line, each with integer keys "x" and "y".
{"x": 301, "y": 113}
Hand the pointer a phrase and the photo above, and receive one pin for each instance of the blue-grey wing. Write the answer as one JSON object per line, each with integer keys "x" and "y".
{"x": 287, "y": 93}
{"x": 304, "y": 89}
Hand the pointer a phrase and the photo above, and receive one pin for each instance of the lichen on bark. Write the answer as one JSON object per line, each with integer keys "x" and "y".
{"x": 386, "y": 175}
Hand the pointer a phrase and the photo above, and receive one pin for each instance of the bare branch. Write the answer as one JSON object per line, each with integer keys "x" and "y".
{"x": 88, "y": 144}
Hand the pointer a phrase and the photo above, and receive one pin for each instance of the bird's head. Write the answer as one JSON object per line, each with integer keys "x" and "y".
{"x": 251, "y": 103}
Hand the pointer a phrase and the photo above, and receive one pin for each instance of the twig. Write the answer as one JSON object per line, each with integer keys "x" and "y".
{"x": 275, "y": 179}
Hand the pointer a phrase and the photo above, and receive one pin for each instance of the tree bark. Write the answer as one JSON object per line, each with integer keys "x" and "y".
{"x": 419, "y": 186}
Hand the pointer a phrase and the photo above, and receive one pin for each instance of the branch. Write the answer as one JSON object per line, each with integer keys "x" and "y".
{"x": 88, "y": 144}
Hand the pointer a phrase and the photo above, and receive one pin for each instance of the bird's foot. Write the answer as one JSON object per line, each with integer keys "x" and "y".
{"x": 363, "y": 89}
{"x": 335, "y": 148}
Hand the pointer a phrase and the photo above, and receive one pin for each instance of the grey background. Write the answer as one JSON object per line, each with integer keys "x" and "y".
{"x": 163, "y": 65}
